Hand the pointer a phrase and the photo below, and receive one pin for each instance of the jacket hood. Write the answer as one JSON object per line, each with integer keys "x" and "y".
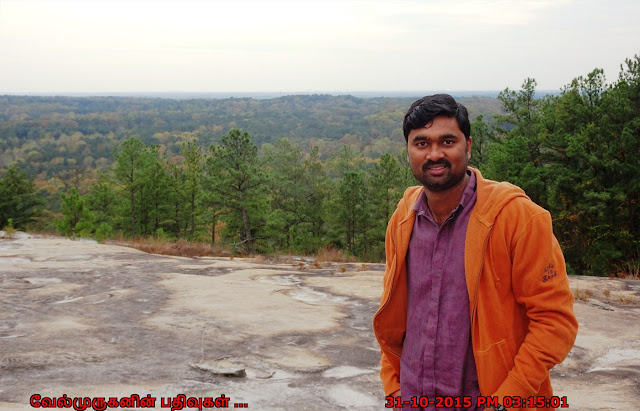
{"x": 492, "y": 197}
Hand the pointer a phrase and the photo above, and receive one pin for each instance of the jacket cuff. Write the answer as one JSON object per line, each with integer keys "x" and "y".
{"x": 511, "y": 387}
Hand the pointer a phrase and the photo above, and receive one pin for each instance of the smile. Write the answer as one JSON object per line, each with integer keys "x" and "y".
{"x": 436, "y": 170}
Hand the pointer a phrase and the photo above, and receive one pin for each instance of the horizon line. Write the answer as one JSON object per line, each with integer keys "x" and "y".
{"x": 267, "y": 94}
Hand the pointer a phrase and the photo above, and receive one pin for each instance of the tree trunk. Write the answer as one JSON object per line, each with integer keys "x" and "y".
{"x": 156, "y": 224}
{"x": 133, "y": 213}
{"x": 193, "y": 214}
{"x": 213, "y": 231}
{"x": 247, "y": 232}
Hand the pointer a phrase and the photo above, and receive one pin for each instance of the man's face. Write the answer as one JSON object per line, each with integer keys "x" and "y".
{"x": 438, "y": 154}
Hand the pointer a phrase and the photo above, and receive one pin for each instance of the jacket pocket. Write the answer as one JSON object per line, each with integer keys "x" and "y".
{"x": 493, "y": 365}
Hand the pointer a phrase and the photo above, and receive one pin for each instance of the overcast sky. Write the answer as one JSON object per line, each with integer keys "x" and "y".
{"x": 308, "y": 45}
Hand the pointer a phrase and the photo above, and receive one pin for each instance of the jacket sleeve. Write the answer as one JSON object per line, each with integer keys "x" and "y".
{"x": 540, "y": 284}
{"x": 390, "y": 378}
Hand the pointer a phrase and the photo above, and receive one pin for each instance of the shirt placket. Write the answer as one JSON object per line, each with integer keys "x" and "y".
{"x": 438, "y": 258}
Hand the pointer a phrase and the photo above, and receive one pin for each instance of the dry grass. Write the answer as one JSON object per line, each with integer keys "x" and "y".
{"x": 582, "y": 295}
{"x": 181, "y": 248}
{"x": 606, "y": 292}
{"x": 342, "y": 268}
{"x": 629, "y": 269}
{"x": 317, "y": 264}
{"x": 333, "y": 255}
{"x": 625, "y": 299}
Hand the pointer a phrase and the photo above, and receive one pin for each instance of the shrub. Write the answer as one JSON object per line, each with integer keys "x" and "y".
{"x": 9, "y": 230}
{"x": 103, "y": 232}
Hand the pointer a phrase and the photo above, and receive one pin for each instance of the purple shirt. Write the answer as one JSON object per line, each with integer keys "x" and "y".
{"x": 437, "y": 356}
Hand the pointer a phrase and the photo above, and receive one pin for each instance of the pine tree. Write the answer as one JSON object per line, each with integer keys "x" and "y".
{"x": 77, "y": 216}
{"x": 133, "y": 171}
{"x": 18, "y": 199}
{"x": 236, "y": 180}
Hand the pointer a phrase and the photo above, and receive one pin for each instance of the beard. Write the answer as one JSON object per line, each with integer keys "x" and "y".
{"x": 447, "y": 180}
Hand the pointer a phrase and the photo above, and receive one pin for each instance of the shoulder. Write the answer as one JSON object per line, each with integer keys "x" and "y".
{"x": 409, "y": 198}
{"x": 500, "y": 200}
{"x": 524, "y": 206}
{"x": 404, "y": 209}
{"x": 505, "y": 205}
{"x": 412, "y": 192}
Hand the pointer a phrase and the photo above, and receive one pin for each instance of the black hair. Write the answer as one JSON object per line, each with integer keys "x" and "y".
{"x": 423, "y": 111}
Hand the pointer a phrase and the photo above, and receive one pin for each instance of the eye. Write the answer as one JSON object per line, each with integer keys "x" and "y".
{"x": 448, "y": 142}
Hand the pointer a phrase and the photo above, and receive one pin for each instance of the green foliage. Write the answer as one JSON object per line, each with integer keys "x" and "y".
{"x": 329, "y": 171}
{"x": 346, "y": 161}
{"x": 161, "y": 234}
{"x": 18, "y": 199}
{"x": 297, "y": 190}
{"x": 483, "y": 136}
{"x": 9, "y": 229}
{"x": 351, "y": 211}
{"x": 128, "y": 172}
{"x": 577, "y": 154}
{"x": 102, "y": 200}
{"x": 387, "y": 182}
{"x": 193, "y": 165}
{"x": 142, "y": 180}
{"x": 77, "y": 219}
{"x": 518, "y": 158}
{"x": 103, "y": 232}
{"x": 69, "y": 141}
{"x": 234, "y": 182}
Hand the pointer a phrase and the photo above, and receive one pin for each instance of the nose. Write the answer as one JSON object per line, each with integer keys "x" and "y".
{"x": 434, "y": 153}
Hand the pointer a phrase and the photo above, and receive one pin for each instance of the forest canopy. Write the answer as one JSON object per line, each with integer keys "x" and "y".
{"x": 301, "y": 173}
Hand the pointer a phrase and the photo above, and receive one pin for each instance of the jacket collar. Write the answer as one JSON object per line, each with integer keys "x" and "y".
{"x": 492, "y": 197}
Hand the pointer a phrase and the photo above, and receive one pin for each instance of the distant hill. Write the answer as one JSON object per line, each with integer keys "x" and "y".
{"x": 50, "y": 135}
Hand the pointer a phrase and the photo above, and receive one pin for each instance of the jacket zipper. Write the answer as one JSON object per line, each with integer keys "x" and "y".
{"x": 475, "y": 299}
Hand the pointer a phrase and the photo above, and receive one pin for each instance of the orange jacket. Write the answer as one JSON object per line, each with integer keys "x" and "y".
{"x": 521, "y": 307}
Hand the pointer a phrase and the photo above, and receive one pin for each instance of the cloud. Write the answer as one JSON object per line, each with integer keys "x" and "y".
{"x": 468, "y": 12}
{"x": 258, "y": 45}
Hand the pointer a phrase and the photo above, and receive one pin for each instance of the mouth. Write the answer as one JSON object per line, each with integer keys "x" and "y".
{"x": 435, "y": 169}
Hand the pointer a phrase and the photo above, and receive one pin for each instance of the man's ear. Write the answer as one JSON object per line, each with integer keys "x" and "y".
{"x": 469, "y": 142}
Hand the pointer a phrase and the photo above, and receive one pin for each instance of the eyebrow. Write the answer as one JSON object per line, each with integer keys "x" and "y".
{"x": 442, "y": 137}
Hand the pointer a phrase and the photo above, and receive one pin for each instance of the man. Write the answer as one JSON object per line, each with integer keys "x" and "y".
{"x": 476, "y": 299}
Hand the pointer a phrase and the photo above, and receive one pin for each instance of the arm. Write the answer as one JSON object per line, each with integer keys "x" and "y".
{"x": 383, "y": 320}
{"x": 540, "y": 284}
{"x": 390, "y": 378}
{"x": 390, "y": 321}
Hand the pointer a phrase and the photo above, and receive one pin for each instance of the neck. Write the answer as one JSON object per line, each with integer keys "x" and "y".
{"x": 441, "y": 203}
